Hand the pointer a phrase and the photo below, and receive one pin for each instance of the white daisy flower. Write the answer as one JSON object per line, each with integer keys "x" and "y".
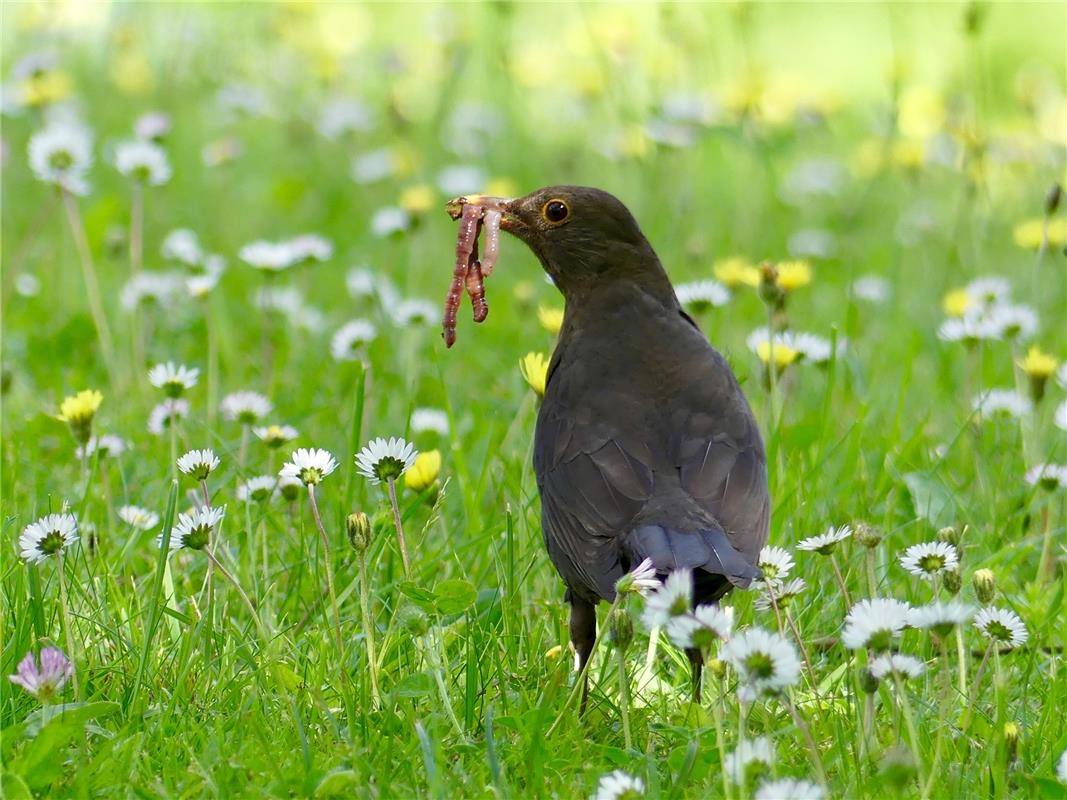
{"x": 618, "y": 785}
{"x": 389, "y": 220}
{"x": 137, "y": 517}
{"x": 344, "y": 115}
{"x": 193, "y": 530}
{"x": 994, "y": 402}
{"x": 182, "y": 245}
{"x": 415, "y": 312}
{"x": 200, "y": 286}
{"x": 429, "y": 419}
{"x": 825, "y": 542}
{"x": 289, "y": 488}
{"x": 27, "y": 284}
{"x": 784, "y": 592}
{"x": 788, "y": 789}
{"x": 759, "y": 338}
{"x": 1013, "y": 321}
{"x": 700, "y": 295}
{"x": 641, "y": 579}
{"x": 874, "y": 623}
{"x": 267, "y": 256}
{"x": 374, "y": 165}
{"x": 989, "y": 290}
{"x": 930, "y": 559}
{"x": 173, "y": 379}
{"x": 705, "y": 626}
{"x": 1049, "y": 477}
{"x": 1060, "y": 418}
{"x": 61, "y": 153}
{"x": 812, "y": 243}
{"x": 1061, "y": 375}
{"x": 310, "y": 465}
{"x": 871, "y": 288}
{"x": 149, "y": 287}
{"x": 109, "y": 445}
{"x": 750, "y": 751}
{"x": 776, "y": 563}
{"x": 460, "y": 179}
{"x": 903, "y": 666}
{"x": 47, "y": 536}
{"x": 245, "y": 407}
{"x": 143, "y": 161}
{"x": 198, "y": 464}
{"x": 276, "y": 435}
{"x": 940, "y": 617}
{"x": 1002, "y": 626}
{"x": 153, "y": 126}
{"x": 351, "y": 338}
{"x": 258, "y": 489}
{"x": 385, "y": 459}
{"x": 309, "y": 247}
{"x": 672, "y": 599}
{"x": 166, "y": 413}
{"x": 1061, "y": 767}
{"x": 816, "y": 349}
{"x": 765, "y": 662}
{"x": 361, "y": 282}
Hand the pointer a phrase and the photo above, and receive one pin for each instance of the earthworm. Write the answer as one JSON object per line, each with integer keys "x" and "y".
{"x": 491, "y": 223}
{"x": 465, "y": 244}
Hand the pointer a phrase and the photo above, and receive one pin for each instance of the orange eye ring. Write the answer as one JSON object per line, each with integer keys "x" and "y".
{"x": 555, "y": 211}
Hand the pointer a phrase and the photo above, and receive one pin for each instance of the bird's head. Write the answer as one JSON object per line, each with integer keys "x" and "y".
{"x": 582, "y": 236}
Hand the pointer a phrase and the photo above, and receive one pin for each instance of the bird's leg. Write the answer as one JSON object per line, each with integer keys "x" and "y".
{"x": 696, "y": 661}
{"x": 583, "y": 634}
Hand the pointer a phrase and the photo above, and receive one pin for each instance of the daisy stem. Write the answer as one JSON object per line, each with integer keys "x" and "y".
{"x": 242, "y": 453}
{"x": 68, "y": 634}
{"x": 368, "y": 626}
{"x": 212, "y": 366}
{"x": 872, "y": 583}
{"x": 398, "y": 523}
{"x": 961, "y": 662}
{"x": 328, "y": 559}
{"x": 137, "y": 227}
{"x": 225, "y": 573}
{"x": 173, "y": 425}
{"x": 805, "y": 731}
{"x": 942, "y": 722}
{"x": 211, "y": 555}
{"x": 972, "y": 699}
{"x": 92, "y": 287}
{"x": 720, "y": 740}
{"x": 624, "y": 696}
{"x": 1045, "y": 569}
{"x": 909, "y": 721}
{"x": 803, "y": 650}
{"x": 840, "y": 581}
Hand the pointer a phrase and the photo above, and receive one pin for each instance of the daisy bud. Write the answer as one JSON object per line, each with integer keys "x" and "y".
{"x": 359, "y": 531}
{"x": 985, "y": 586}
{"x": 867, "y": 680}
{"x": 413, "y": 621}
{"x": 867, "y": 535}
{"x": 1052, "y": 199}
{"x": 950, "y": 535}
{"x": 1012, "y": 734}
{"x": 620, "y": 629}
{"x": 952, "y": 581}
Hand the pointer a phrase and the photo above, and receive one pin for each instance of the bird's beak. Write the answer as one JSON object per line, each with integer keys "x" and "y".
{"x": 505, "y": 205}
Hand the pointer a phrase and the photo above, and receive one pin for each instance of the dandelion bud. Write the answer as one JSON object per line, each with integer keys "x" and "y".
{"x": 867, "y": 535}
{"x": 1052, "y": 199}
{"x": 950, "y": 535}
{"x": 867, "y": 680}
{"x": 413, "y": 620}
{"x": 358, "y": 527}
{"x": 985, "y": 586}
{"x": 1012, "y": 734}
{"x": 716, "y": 667}
{"x": 952, "y": 581}
{"x": 769, "y": 290}
{"x": 620, "y": 628}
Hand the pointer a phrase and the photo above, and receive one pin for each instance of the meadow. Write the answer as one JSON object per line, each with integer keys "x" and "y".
{"x": 224, "y": 230}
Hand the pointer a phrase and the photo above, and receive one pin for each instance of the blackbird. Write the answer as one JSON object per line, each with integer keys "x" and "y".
{"x": 645, "y": 445}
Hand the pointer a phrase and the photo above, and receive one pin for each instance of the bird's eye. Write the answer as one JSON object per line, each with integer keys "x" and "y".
{"x": 555, "y": 211}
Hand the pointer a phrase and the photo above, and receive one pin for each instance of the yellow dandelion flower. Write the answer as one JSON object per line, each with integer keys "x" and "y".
{"x": 957, "y": 302}
{"x": 45, "y": 88}
{"x": 552, "y": 653}
{"x": 424, "y": 471}
{"x": 1038, "y": 364}
{"x": 793, "y": 275}
{"x": 80, "y": 409}
{"x": 736, "y": 271}
{"x": 418, "y": 199}
{"x": 551, "y": 319}
{"x": 534, "y": 368}
{"x": 908, "y": 154}
{"x": 784, "y": 355}
{"x": 1029, "y": 233}
{"x": 922, "y": 112}
{"x": 868, "y": 159}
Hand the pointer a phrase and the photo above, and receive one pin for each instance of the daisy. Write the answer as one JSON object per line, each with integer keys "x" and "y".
{"x": 344, "y": 115}
{"x": 275, "y": 436}
{"x": 198, "y": 463}
{"x": 765, "y": 662}
{"x": 788, "y": 789}
{"x": 618, "y": 785}
{"x": 137, "y": 517}
{"x": 193, "y": 530}
{"x": 149, "y": 287}
{"x": 1049, "y": 477}
{"x": 310, "y": 247}
{"x": 702, "y": 295}
{"x": 460, "y": 179}
{"x": 167, "y": 413}
{"x": 989, "y": 290}
{"x": 361, "y": 282}
{"x": 672, "y": 599}
{"x": 258, "y": 489}
{"x": 182, "y": 245}
{"x": 309, "y": 465}
{"x": 758, "y": 751}
{"x": 930, "y": 559}
{"x": 940, "y": 617}
{"x": 109, "y": 446}
{"x": 970, "y": 328}
{"x": 784, "y": 592}
{"x": 143, "y": 161}
{"x": 871, "y": 288}
{"x": 1061, "y": 767}
{"x": 816, "y": 349}
{"x": 825, "y": 543}
{"x": 43, "y": 680}
{"x": 374, "y": 165}
{"x": 641, "y": 579}
{"x": 267, "y": 256}
{"x": 351, "y": 338}
{"x": 48, "y": 536}
{"x": 874, "y": 623}
{"x": 705, "y": 626}
{"x": 785, "y": 351}
{"x": 200, "y": 286}
{"x": 1002, "y": 626}
{"x": 173, "y": 379}
{"x": 289, "y": 488}
{"x": 153, "y": 126}
{"x": 245, "y": 407}
{"x": 902, "y": 666}
{"x": 415, "y": 312}
{"x": 776, "y": 563}
{"x": 1061, "y": 416}
{"x": 429, "y": 419}
{"x": 1013, "y": 321}
{"x": 389, "y": 220}
{"x": 1001, "y": 401}
{"x": 385, "y": 459}
{"x": 61, "y": 153}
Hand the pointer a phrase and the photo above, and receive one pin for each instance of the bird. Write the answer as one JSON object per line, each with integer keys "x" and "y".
{"x": 645, "y": 446}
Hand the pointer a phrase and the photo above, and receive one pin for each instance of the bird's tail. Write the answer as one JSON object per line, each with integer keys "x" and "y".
{"x": 708, "y": 550}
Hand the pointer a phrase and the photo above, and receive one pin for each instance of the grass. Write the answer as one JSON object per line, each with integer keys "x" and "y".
{"x": 182, "y": 696}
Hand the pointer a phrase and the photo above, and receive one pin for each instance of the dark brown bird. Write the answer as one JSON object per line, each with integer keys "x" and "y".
{"x": 645, "y": 446}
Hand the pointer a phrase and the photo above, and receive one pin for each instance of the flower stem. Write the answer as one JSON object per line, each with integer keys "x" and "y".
{"x": 720, "y": 740}
{"x": 64, "y": 605}
{"x": 803, "y": 650}
{"x": 840, "y": 581}
{"x": 242, "y": 453}
{"x": 368, "y": 626}
{"x": 137, "y": 228}
{"x": 213, "y": 561}
{"x": 805, "y": 731}
{"x": 398, "y": 523}
{"x": 909, "y": 721}
{"x": 624, "y": 696}
{"x": 975, "y": 686}
{"x": 328, "y": 559}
